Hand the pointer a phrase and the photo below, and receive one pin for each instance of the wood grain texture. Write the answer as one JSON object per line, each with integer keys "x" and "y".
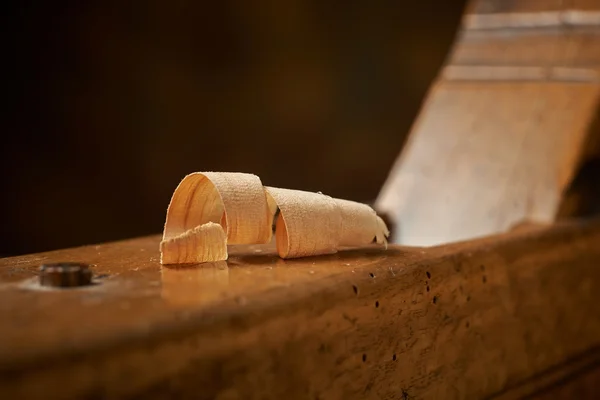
{"x": 563, "y": 18}
{"x": 578, "y": 47}
{"x": 504, "y": 129}
{"x": 516, "y": 74}
{"x": 581, "y": 385}
{"x": 529, "y": 6}
{"x": 483, "y": 157}
{"x": 495, "y": 14}
{"x": 508, "y": 6}
{"x": 494, "y": 318}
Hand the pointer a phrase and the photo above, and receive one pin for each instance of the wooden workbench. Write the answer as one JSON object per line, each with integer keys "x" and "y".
{"x": 507, "y": 316}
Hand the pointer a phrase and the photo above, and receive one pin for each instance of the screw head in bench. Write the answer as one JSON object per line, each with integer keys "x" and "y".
{"x": 65, "y": 274}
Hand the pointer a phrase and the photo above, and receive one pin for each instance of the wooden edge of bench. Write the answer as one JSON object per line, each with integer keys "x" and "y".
{"x": 473, "y": 319}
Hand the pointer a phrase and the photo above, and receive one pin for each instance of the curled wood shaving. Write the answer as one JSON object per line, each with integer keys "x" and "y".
{"x": 200, "y": 244}
{"x": 209, "y": 210}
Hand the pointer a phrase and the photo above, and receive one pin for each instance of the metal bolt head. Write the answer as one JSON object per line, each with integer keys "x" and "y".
{"x": 65, "y": 274}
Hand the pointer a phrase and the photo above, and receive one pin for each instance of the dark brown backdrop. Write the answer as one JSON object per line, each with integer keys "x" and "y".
{"x": 113, "y": 102}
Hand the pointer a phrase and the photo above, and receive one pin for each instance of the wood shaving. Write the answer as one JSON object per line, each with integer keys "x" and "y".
{"x": 210, "y": 210}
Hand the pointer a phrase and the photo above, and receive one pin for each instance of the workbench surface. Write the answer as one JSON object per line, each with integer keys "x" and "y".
{"x": 504, "y": 316}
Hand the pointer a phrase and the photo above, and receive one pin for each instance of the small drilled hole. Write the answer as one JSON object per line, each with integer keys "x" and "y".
{"x": 428, "y": 275}
{"x": 372, "y": 275}
{"x": 364, "y": 357}
{"x": 434, "y": 299}
{"x": 428, "y": 288}
{"x": 377, "y": 304}
{"x": 355, "y": 288}
{"x": 394, "y": 357}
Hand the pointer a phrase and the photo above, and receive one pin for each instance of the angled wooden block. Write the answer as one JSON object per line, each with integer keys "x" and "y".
{"x": 484, "y": 156}
{"x": 504, "y": 129}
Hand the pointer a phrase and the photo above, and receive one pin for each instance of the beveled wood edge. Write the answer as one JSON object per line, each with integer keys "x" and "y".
{"x": 531, "y": 19}
{"x": 546, "y": 380}
{"x": 519, "y": 73}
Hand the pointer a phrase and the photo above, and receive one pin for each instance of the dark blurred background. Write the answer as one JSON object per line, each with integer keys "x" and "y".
{"x": 113, "y": 102}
